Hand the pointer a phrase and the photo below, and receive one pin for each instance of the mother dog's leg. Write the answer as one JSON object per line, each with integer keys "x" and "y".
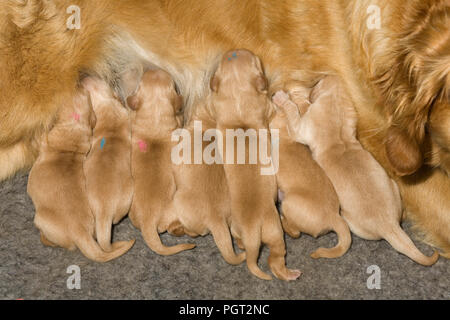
{"x": 14, "y": 159}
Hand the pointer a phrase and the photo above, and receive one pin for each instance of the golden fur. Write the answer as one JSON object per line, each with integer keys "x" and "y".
{"x": 370, "y": 200}
{"x": 156, "y": 103}
{"x": 298, "y": 40}
{"x": 409, "y": 63}
{"x": 58, "y": 188}
{"x": 239, "y": 101}
{"x": 107, "y": 168}
{"x": 310, "y": 203}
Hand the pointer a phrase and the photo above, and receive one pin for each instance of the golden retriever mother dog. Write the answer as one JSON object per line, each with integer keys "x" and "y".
{"x": 392, "y": 54}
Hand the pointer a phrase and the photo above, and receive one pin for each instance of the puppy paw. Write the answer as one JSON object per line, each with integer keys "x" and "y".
{"x": 293, "y": 274}
{"x": 280, "y": 97}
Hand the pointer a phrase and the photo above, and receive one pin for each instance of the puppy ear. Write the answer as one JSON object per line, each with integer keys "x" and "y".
{"x": 261, "y": 84}
{"x": 133, "y": 102}
{"x": 214, "y": 84}
{"x": 403, "y": 152}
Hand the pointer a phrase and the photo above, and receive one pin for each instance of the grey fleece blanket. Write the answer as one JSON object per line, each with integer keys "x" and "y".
{"x": 370, "y": 270}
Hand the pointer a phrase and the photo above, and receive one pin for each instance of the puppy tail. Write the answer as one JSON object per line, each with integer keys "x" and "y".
{"x": 91, "y": 249}
{"x": 153, "y": 240}
{"x": 401, "y": 242}
{"x": 252, "y": 241}
{"x": 222, "y": 237}
{"x": 345, "y": 240}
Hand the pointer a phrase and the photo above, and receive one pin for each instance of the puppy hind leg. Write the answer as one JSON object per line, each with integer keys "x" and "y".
{"x": 176, "y": 229}
{"x": 47, "y": 242}
{"x": 251, "y": 240}
{"x": 286, "y": 221}
{"x": 223, "y": 240}
{"x": 273, "y": 236}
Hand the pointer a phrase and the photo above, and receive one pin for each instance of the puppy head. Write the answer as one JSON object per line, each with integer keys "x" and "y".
{"x": 157, "y": 89}
{"x": 240, "y": 77}
{"x": 240, "y": 69}
{"x": 80, "y": 111}
{"x": 72, "y": 129}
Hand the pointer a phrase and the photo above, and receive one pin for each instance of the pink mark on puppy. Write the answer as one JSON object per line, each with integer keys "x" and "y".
{"x": 142, "y": 146}
{"x": 76, "y": 116}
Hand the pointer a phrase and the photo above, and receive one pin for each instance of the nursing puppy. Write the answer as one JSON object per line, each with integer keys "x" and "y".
{"x": 239, "y": 101}
{"x": 58, "y": 188}
{"x": 370, "y": 200}
{"x": 108, "y": 165}
{"x": 202, "y": 199}
{"x": 309, "y": 202}
{"x": 156, "y": 103}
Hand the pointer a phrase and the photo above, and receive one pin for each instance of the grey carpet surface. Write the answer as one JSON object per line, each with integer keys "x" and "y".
{"x": 28, "y": 270}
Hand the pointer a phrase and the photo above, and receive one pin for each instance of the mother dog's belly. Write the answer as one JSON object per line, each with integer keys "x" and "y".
{"x": 298, "y": 41}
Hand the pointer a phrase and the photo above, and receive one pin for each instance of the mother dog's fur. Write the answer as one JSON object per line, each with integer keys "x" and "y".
{"x": 397, "y": 76}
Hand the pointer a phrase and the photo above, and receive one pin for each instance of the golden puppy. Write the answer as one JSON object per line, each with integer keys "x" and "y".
{"x": 108, "y": 165}
{"x": 309, "y": 202}
{"x": 202, "y": 200}
{"x": 239, "y": 101}
{"x": 58, "y": 188}
{"x": 156, "y": 103}
{"x": 370, "y": 200}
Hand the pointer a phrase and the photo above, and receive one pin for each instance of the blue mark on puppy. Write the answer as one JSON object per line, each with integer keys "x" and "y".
{"x": 102, "y": 143}
{"x": 234, "y": 56}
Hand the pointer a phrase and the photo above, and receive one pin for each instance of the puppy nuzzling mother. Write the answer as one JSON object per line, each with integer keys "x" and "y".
{"x": 239, "y": 101}
{"x": 397, "y": 72}
{"x": 107, "y": 167}
{"x": 156, "y": 104}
